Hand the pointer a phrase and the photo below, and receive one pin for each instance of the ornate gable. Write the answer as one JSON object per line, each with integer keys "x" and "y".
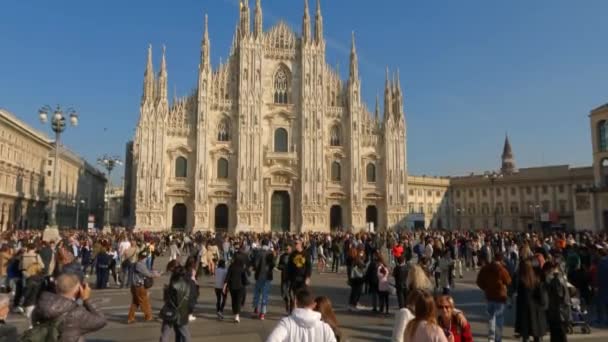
{"x": 180, "y": 114}
{"x": 281, "y": 41}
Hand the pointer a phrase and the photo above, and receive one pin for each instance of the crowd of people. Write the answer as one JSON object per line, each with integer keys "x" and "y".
{"x": 541, "y": 275}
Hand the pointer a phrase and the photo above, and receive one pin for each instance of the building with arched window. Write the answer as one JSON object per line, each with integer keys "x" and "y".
{"x": 273, "y": 138}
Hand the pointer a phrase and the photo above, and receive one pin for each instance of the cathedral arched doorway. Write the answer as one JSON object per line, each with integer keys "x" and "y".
{"x": 280, "y": 211}
{"x": 221, "y": 218}
{"x": 371, "y": 215}
{"x": 179, "y": 217}
{"x": 335, "y": 217}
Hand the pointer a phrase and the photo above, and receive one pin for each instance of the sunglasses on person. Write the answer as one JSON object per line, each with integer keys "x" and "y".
{"x": 444, "y": 307}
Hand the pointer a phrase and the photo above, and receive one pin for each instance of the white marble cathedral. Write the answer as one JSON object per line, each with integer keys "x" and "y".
{"x": 272, "y": 139}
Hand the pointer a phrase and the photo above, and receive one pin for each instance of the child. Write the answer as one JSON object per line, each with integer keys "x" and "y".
{"x": 220, "y": 277}
{"x": 383, "y": 287}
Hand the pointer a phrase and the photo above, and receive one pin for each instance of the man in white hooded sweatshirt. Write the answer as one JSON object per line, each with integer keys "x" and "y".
{"x": 304, "y": 324}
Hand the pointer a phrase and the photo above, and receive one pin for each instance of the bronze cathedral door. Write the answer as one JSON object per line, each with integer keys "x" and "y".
{"x": 280, "y": 211}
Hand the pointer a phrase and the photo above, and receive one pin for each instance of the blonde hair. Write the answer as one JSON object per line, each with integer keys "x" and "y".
{"x": 417, "y": 279}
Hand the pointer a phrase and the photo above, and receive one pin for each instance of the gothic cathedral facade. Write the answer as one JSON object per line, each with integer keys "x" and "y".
{"x": 270, "y": 140}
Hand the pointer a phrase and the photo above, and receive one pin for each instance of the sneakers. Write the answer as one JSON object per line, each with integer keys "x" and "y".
{"x": 237, "y": 319}
{"x": 191, "y": 318}
{"x": 18, "y": 309}
{"x": 262, "y": 317}
{"x": 220, "y": 315}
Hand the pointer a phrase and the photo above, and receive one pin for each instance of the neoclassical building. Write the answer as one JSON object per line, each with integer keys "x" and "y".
{"x": 26, "y": 173}
{"x": 271, "y": 139}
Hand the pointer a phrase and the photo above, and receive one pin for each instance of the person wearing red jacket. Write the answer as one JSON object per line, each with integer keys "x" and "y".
{"x": 493, "y": 279}
{"x": 459, "y": 329}
{"x": 397, "y": 250}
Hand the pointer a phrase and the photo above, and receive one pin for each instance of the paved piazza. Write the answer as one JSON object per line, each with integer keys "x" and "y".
{"x": 360, "y": 326}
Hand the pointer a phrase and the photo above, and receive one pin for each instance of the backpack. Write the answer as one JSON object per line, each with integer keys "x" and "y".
{"x": 49, "y": 331}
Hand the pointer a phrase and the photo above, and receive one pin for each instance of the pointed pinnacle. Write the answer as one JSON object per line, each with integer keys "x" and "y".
{"x": 305, "y": 7}
{"x": 353, "y": 49}
{"x": 377, "y": 105}
{"x": 206, "y": 27}
{"x": 319, "y": 8}
{"x": 149, "y": 67}
{"x": 163, "y": 61}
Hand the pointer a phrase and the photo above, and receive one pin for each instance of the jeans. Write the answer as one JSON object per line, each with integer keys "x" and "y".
{"x": 496, "y": 320}
{"x": 182, "y": 333}
{"x": 262, "y": 287}
{"x": 149, "y": 263}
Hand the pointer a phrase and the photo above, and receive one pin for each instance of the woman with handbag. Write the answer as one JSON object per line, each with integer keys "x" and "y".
{"x": 357, "y": 279}
{"x": 142, "y": 281}
{"x": 179, "y": 298}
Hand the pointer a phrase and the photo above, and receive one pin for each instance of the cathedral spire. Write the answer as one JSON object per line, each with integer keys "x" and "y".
{"x": 162, "y": 78}
{"x": 354, "y": 64}
{"x": 318, "y": 24}
{"x": 205, "y": 46}
{"x": 245, "y": 23}
{"x": 388, "y": 97}
{"x": 508, "y": 161}
{"x": 377, "y": 111}
{"x": 306, "y": 24}
{"x": 257, "y": 20}
{"x": 148, "y": 78}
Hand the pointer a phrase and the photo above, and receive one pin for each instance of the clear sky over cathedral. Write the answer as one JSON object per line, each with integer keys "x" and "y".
{"x": 470, "y": 71}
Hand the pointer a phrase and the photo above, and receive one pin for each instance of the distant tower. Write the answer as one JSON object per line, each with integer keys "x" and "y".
{"x": 508, "y": 162}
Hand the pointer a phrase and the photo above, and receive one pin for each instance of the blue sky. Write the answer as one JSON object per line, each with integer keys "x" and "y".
{"x": 471, "y": 70}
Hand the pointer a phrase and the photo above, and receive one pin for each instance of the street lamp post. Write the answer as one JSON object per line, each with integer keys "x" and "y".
{"x": 58, "y": 125}
{"x": 534, "y": 208}
{"x": 109, "y": 163}
{"x": 493, "y": 176}
{"x": 78, "y": 203}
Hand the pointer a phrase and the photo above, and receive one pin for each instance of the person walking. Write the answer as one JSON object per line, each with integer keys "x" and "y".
{"x": 558, "y": 312}
{"x": 234, "y": 285}
{"x": 263, "y": 266}
{"x": 400, "y": 275}
{"x": 299, "y": 269}
{"x": 493, "y": 279}
{"x": 220, "y": 296}
{"x": 102, "y": 268}
{"x": 383, "y": 285}
{"x": 139, "y": 292}
{"x": 357, "y": 279}
{"x": 336, "y": 250}
{"x": 532, "y": 301}
{"x": 179, "y": 298}
{"x": 283, "y": 262}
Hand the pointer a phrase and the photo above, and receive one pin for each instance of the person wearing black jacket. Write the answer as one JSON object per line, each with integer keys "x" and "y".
{"x": 282, "y": 266}
{"x": 180, "y": 298}
{"x": 263, "y": 265}
{"x": 235, "y": 284}
{"x": 400, "y": 275}
{"x": 372, "y": 280}
{"x": 299, "y": 269}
